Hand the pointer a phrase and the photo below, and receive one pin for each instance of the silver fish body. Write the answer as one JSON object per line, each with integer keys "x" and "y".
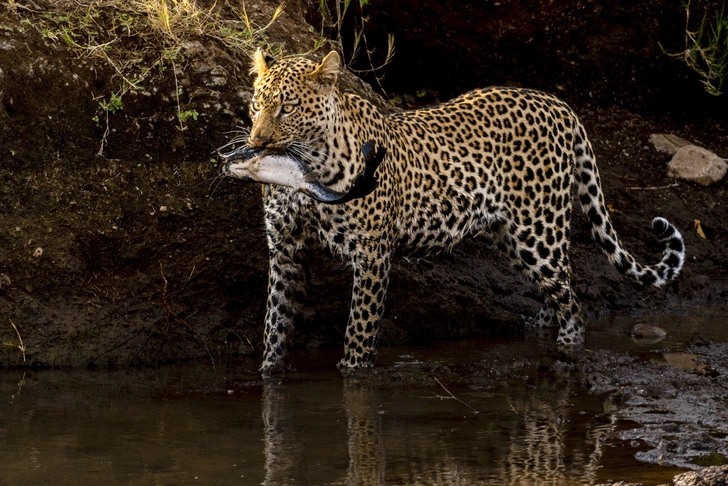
{"x": 282, "y": 169}
{"x": 269, "y": 167}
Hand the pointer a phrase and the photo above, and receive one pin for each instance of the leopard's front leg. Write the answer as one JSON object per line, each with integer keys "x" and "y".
{"x": 288, "y": 276}
{"x": 371, "y": 278}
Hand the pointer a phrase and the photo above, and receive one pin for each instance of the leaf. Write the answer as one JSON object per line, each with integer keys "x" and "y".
{"x": 611, "y": 209}
{"x": 699, "y": 229}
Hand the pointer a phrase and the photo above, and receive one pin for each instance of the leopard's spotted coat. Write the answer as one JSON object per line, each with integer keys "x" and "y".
{"x": 498, "y": 161}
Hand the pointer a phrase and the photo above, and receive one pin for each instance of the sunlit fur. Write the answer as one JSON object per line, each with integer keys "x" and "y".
{"x": 499, "y": 162}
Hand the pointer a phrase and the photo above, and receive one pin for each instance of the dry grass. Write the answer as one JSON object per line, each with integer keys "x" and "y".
{"x": 20, "y": 346}
{"x": 176, "y": 20}
{"x": 143, "y": 38}
{"x": 706, "y": 50}
{"x": 359, "y": 41}
{"x": 137, "y": 37}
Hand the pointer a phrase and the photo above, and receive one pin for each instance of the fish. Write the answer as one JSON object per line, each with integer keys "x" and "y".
{"x": 276, "y": 167}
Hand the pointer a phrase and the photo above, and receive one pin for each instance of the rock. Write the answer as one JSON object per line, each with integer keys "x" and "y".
{"x": 664, "y": 142}
{"x": 621, "y": 483}
{"x": 217, "y": 77}
{"x": 696, "y": 164}
{"x": 648, "y": 331}
{"x": 710, "y": 476}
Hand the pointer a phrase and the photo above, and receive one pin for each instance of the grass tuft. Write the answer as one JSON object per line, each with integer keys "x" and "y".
{"x": 706, "y": 50}
{"x": 137, "y": 36}
{"x": 20, "y": 346}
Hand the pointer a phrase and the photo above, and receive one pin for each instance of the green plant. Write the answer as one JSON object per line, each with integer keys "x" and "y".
{"x": 706, "y": 50}
{"x": 184, "y": 115}
{"x": 113, "y": 105}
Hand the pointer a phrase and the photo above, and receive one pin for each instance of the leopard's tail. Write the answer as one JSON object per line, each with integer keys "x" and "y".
{"x": 592, "y": 202}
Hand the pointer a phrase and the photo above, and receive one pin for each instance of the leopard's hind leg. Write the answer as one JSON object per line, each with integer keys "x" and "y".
{"x": 566, "y": 313}
{"x": 550, "y": 271}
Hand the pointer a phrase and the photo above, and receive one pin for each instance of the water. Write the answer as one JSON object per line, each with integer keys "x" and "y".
{"x": 186, "y": 424}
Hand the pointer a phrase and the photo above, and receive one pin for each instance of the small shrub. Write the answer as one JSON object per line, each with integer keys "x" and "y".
{"x": 706, "y": 50}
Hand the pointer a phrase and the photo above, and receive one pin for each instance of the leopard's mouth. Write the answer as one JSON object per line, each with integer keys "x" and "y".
{"x": 278, "y": 167}
{"x": 285, "y": 168}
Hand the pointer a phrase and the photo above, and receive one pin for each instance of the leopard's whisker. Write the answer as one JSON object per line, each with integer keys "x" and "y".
{"x": 214, "y": 185}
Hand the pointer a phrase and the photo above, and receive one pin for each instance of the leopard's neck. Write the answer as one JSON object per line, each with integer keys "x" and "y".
{"x": 354, "y": 122}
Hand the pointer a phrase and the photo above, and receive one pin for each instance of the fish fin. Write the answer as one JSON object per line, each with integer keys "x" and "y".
{"x": 310, "y": 177}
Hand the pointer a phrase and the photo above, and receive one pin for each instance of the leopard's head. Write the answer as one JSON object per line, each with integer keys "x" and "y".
{"x": 293, "y": 106}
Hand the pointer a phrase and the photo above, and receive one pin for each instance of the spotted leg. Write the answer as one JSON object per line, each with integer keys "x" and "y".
{"x": 567, "y": 312}
{"x": 551, "y": 274}
{"x": 287, "y": 283}
{"x": 371, "y": 278}
{"x": 546, "y": 317}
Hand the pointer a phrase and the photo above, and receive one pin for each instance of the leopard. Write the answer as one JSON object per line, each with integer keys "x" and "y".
{"x": 501, "y": 162}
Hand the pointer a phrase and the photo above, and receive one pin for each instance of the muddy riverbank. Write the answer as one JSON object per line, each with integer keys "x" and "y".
{"x": 120, "y": 248}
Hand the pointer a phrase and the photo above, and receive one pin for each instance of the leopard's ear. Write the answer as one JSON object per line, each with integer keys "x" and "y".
{"x": 323, "y": 78}
{"x": 261, "y": 63}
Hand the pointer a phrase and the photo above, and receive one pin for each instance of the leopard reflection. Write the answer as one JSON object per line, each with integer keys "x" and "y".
{"x": 541, "y": 446}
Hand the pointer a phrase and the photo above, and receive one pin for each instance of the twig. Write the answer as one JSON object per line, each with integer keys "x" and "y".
{"x": 117, "y": 346}
{"x": 652, "y": 188}
{"x": 176, "y": 93}
{"x": 453, "y": 397}
{"x": 119, "y": 72}
{"x": 21, "y": 346}
{"x": 104, "y": 137}
{"x": 170, "y": 316}
{"x": 522, "y": 415}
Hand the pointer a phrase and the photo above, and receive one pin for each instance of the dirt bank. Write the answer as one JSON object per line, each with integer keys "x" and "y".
{"x": 119, "y": 247}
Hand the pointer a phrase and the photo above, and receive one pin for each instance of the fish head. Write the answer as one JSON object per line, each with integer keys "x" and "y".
{"x": 240, "y": 162}
{"x": 259, "y": 165}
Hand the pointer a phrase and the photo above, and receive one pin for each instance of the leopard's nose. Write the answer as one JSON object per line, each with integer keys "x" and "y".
{"x": 260, "y": 141}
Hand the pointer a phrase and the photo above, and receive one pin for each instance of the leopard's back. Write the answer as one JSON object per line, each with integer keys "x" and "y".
{"x": 488, "y": 156}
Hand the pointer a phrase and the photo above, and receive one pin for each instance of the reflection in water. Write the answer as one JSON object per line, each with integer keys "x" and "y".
{"x": 186, "y": 424}
{"x": 366, "y": 442}
{"x": 527, "y": 437}
{"x": 280, "y": 460}
{"x": 544, "y": 450}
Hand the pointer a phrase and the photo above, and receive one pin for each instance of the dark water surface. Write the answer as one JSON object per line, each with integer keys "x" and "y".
{"x": 187, "y": 424}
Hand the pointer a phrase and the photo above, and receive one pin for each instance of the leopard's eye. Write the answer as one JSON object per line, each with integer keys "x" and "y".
{"x": 288, "y": 108}
{"x": 255, "y": 106}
